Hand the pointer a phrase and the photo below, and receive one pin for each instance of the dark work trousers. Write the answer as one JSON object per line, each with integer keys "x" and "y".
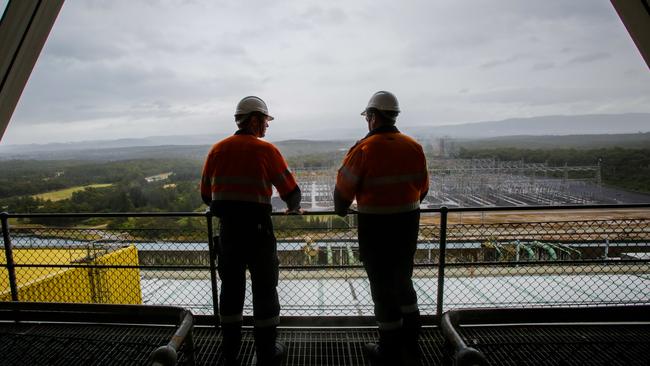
{"x": 387, "y": 246}
{"x": 246, "y": 243}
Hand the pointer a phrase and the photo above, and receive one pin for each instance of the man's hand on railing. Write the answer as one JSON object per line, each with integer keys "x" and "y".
{"x": 297, "y": 211}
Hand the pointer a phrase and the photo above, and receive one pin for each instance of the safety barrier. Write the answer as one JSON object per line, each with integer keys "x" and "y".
{"x": 39, "y": 313}
{"x": 487, "y": 257}
{"x": 580, "y": 331}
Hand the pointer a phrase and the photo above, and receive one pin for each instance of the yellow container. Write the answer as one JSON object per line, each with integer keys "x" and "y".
{"x": 48, "y": 277}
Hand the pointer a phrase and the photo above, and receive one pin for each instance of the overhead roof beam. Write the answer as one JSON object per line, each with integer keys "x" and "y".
{"x": 635, "y": 14}
{"x": 24, "y": 28}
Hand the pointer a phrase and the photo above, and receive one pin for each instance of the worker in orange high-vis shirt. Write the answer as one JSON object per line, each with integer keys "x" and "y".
{"x": 386, "y": 172}
{"x": 237, "y": 181}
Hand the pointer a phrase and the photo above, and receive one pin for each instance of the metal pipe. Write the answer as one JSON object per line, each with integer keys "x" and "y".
{"x": 517, "y": 250}
{"x": 497, "y": 248}
{"x": 351, "y": 259}
{"x": 441, "y": 261}
{"x": 330, "y": 255}
{"x": 168, "y": 355}
{"x": 11, "y": 269}
{"x": 463, "y": 355}
{"x": 564, "y": 249}
{"x": 530, "y": 252}
{"x": 213, "y": 268}
{"x": 549, "y": 250}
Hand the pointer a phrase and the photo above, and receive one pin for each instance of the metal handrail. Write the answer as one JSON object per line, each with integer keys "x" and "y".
{"x": 453, "y": 320}
{"x": 168, "y": 355}
{"x": 308, "y": 213}
{"x": 462, "y": 354}
{"x": 113, "y": 314}
{"x": 441, "y": 265}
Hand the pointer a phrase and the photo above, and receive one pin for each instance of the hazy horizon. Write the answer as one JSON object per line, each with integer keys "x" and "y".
{"x": 628, "y": 123}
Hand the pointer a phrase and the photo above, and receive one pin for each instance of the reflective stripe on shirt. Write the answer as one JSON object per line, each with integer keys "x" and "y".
{"x": 269, "y": 322}
{"x": 236, "y": 318}
{"x": 393, "y": 179}
{"x": 251, "y": 181}
{"x": 236, "y": 196}
{"x": 281, "y": 178}
{"x": 397, "y": 324}
{"x": 407, "y": 309}
{"x": 372, "y": 209}
{"x": 347, "y": 173}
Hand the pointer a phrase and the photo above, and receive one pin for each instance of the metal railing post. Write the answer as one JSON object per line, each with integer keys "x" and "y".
{"x": 441, "y": 261}
{"x": 11, "y": 269}
{"x": 213, "y": 268}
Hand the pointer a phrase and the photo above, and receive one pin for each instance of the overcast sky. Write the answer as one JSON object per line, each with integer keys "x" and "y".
{"x": 127, "y": 68}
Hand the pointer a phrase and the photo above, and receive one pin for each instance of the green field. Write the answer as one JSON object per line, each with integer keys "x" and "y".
{"x": 64, "y": 194}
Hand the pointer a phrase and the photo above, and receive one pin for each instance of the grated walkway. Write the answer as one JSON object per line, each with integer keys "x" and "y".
{"x": 36, "y": 344}
{"x": 317, "y": 346}
{"x": 562, "y": 344}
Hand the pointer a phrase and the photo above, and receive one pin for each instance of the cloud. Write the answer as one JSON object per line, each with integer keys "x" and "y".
{"x": 179, "y": 66}
{"x": 544, "y": 65}
{"x": 230, "y": 50}
{"x": 331, "y": 16}
{"x": 554, "y": 9}
{"x": 590, "y": 57}
{"x": 558, "y": 96}
{"x": 83, "y": 50}
{"x": 530, "y": 95}
{"x": 502, "y": 62}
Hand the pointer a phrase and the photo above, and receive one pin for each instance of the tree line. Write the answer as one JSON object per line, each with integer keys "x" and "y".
{"x": 28, "y": 177}
{"x": 129, "y": 192}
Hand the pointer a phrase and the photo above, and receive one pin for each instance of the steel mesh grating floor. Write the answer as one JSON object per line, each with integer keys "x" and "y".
{"x": 562, "y": 344}
{"x": 315, "y": 346}
{"x": 75, "y": 344}
{"x": 67, "y": 344}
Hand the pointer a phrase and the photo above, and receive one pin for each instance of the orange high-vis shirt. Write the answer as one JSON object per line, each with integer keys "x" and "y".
{"x": 386, "y": 172}
{"x": 245, "y": 168}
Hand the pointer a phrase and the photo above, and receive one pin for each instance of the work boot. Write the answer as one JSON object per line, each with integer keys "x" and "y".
{"x": 231, "y": 335}
{"x": 371, "y": 351}
{"x": 411, "y": 326}
{"x": 387, "y": 351}
{"x": 268, "y": 351}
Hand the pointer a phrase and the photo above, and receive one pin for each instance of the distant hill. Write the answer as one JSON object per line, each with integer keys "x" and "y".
{"x": 630, "y": 141}
{"x": 288, "y": 148}
{"x": 114, "y": 154}
{"x": 547, "y": 125}
{"x": 109, "y": 144}
{"x": 566, "y": 129}
{"x": 291, "y": 148}
{"x": 174, "y": 145}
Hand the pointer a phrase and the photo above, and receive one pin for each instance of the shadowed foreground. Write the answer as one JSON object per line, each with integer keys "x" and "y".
{"x": 66, "y": 344}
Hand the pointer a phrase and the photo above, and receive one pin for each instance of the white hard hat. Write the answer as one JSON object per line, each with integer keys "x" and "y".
{"x": 384, "y": 101}
{"x": 252, "y": 104}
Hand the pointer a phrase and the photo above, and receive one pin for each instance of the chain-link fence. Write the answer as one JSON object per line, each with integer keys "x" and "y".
{"x": 570, "y": 258}
{"x": 489, "y": 258}
{"x": 166, "y": 265}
